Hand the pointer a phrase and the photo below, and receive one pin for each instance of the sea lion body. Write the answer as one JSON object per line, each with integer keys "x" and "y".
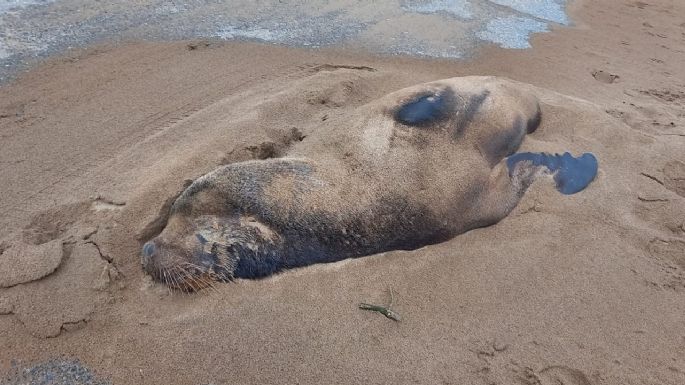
{"x": 263, "y": 230}
{"x": 415, "y": 167}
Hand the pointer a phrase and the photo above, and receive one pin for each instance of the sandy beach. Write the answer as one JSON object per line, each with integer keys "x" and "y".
{"x": 574, "y": 290}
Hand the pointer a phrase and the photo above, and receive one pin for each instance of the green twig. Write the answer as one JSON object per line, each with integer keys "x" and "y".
{"x": 382, "y": 309}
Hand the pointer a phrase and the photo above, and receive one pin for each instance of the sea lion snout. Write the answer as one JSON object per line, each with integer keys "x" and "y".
{"x": 190, "y": 255}
{"x": 150, "y": 257}
{"x": 183, "y": 265}
{"x": 148, "y": 249}
{"x": 146, "y": 255}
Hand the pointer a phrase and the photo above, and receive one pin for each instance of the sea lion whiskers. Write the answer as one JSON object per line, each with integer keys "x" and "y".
{"x": 188, "y": 279}
{"x": 165, "y": 278}
{"x": 176, "y": 278}
{"x": 213, "y": 274}
{"x": 171, "y": 282}
{"x": 198, "y": 282}
{"x": 205, "y": 279}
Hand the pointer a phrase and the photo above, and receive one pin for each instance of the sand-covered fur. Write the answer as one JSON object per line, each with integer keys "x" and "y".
{"x": 413, "y": 168}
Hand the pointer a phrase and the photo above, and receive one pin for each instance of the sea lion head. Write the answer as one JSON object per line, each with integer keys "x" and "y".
{"x": 190, "y": 253}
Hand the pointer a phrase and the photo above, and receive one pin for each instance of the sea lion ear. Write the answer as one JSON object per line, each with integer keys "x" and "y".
{"x": 571, "y": 174}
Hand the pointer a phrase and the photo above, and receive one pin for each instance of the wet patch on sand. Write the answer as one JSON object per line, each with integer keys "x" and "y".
{"x": 54, "y": 372}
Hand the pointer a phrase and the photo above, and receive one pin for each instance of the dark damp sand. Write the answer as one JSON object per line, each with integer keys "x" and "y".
{"x": 430, "y": 28}
{"x": 584, "y": 289}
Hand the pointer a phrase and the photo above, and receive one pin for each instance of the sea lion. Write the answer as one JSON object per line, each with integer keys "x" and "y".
{"x": 414, "y": 168}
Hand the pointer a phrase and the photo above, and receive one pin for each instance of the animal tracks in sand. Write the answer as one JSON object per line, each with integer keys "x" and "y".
{"x": 495, "y": 354}
{"x": 665, "y": 213}
{"x": 667, "y": 257}
{"x": 552, "y": 375}
{"x": 669, "y": 250}
{"x": 674, "y": 177}
{"x": 562, "y": 375}
{"x": 654, "y": 111}
{"x": 53, "y": 223}
{"x": 666, "y": 95}
{"x": 604, "y": 76}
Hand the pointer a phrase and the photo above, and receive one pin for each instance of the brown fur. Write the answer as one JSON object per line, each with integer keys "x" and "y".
{"x": 388, "y": 184}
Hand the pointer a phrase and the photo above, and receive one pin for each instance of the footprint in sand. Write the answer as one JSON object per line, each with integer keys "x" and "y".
{"x": 52, "y": 224}
{"x": 673, "y": 250}
{"x": 665, "y": 95}
{"x": 562, "y": 375}
{"x": 674, "y": 177}
{"x": 604, "y": 77}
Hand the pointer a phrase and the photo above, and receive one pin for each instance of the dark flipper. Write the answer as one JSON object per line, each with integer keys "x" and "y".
{"x": 570, "y": 174}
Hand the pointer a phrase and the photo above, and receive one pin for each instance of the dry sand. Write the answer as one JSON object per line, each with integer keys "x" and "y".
{"x": 574, "y": 290}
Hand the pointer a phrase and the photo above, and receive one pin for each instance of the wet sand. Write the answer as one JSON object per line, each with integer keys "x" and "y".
{"x": 31, "y": 29}
{"x": 584, "y": 289}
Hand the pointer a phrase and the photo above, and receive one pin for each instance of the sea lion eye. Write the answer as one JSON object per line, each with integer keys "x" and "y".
{"x": 423, "y": 110}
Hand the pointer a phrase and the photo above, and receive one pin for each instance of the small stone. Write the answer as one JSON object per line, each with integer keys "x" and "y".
{"x": 499, "y": 346}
